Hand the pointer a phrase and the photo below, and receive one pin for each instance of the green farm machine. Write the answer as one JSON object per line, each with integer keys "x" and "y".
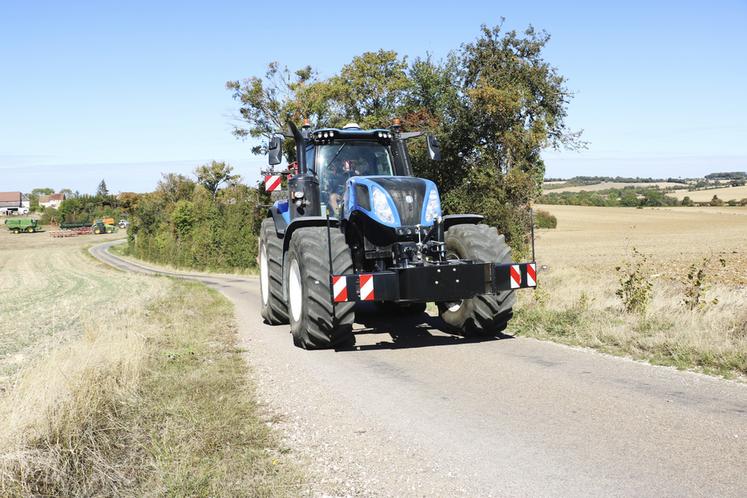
{"x": 20, "y": 225}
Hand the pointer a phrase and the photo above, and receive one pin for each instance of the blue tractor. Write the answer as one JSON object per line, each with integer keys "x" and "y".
{"x": 356, "y": 225}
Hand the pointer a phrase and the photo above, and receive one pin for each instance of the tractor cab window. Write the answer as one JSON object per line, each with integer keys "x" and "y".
{"x": 335, "y": 163}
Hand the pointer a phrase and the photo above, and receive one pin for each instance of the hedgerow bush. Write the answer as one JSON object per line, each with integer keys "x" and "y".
{"x": 543, "y": 219}
{"x": 184, "y": 225}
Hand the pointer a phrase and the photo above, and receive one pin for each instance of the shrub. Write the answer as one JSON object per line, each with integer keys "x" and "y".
{"x": 635, "y": 283}
{"x": 543, "y": 219}
{"x": 696, "y": 285}
{"x": 49, "y": 216}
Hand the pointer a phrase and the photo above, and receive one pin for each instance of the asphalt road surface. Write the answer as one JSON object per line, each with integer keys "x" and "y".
{"x": 412, "y": 411}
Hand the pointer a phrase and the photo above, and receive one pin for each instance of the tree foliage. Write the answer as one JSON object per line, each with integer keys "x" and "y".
{"x": 214, "y": 175}
{"x": 494, "y": 104}
{"x": 102, "y": 189}
{"x": 87, "y": 208}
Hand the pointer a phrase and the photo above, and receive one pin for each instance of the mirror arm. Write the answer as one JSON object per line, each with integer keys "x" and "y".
{"x": 411, "y": 134}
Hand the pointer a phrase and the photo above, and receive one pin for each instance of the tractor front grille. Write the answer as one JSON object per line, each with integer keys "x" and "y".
{"x": 408, "y": 195}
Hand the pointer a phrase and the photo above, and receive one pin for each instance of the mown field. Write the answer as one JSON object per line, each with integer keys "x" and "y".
{"x": 724, "y": 193}
{"x": 113, "y": 383}
{"x": 577, "y": 302}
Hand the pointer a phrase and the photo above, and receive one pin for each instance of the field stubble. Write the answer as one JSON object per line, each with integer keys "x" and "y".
{"x": 576, "y": 302}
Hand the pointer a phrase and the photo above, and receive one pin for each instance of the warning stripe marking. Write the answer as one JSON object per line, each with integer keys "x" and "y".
{"x": 515, "y": 273}
{"x": 272, "y": 182}
{"x": 366, "y": 283}
{"x": 340, "y": 289}
{"x": 531, "y": 275}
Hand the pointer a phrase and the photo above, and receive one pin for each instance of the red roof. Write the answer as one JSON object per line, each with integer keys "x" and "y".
{"x": 10, "y": 197}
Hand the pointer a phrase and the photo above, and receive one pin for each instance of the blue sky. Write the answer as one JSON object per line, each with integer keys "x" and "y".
{"x": 127, "y": 90}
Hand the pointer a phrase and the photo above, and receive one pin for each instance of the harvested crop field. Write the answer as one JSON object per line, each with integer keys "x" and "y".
{"x": 53, "y": 293}
{"x": 596, "y": 239}
{"x": 698, "y": 322}
{"x": 725, "y": 194}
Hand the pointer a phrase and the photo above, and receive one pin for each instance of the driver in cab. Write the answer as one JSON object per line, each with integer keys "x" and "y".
{"x": 339, "y": 172}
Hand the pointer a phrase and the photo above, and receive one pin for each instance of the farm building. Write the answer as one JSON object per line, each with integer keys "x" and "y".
{"x": 52, "y": 201}
{"x": 11, "y": 200}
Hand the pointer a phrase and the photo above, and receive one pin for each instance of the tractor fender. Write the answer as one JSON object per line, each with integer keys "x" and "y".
{"x": 461, "y": 219}
{"x": 303, "y": 222}
{"x": 277, "y": 217}
{"x": 306, "y": 221}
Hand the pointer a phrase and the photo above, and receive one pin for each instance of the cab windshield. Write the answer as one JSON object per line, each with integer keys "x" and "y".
{"x": 335, "y": 163}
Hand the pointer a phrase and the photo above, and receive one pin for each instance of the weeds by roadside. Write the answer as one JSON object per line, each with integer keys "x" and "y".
{"x": 635, "y": 283}
{"x": 696, "y": 285}
{"x": 690, "y": 326}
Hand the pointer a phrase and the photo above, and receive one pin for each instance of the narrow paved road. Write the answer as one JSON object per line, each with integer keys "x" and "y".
{"x": 415, "y": 412}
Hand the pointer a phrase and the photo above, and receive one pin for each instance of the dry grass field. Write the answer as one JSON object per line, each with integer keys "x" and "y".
{"x": 577, "y": 302}
{"x": 559, "y": 187}
{"x": 725, "y": 194}
{"x": 114, "y": 383}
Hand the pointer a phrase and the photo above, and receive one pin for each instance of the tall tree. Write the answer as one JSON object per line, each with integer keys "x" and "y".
{"x": 370, "y": 90}
{"x": 515, "y": 102}
{"x": 214, "y": 175}
{"x": 102, "y": 190}
{"x": 266, "y": 103}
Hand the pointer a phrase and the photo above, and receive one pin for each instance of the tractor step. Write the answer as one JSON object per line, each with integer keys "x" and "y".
{"x": 447, "y": 282}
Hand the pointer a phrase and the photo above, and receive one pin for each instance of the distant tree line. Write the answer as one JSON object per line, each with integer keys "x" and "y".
{"x": 622, "y": 197}
{"x": 730, "y": 175}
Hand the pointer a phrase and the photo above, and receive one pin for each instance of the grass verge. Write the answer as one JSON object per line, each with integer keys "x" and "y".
{"x": 669, "y": 337}
{"x": 157, "y": 402}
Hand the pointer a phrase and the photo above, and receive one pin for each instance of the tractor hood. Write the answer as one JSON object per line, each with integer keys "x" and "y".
{"x": 394, "y": 201}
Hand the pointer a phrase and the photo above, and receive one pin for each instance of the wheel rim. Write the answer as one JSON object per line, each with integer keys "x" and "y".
{"x": 264, "y": 275}
{"x": 295, "y": 291}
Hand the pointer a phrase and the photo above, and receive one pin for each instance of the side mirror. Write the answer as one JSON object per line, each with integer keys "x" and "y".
{"x": 275, "y": 151}
{"x": 434, "y": 150}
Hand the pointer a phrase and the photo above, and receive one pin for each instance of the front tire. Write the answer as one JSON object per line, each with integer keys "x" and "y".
{"x": 315, "y": 323}
{"x": 274, "y": 310}
{"x": 485, "y": 314}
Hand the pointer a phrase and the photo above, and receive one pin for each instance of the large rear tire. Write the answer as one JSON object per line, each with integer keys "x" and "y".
{"x": 314, "y": 322}
{"x": 274, "y": 309}
{"x": 484, "y": 314}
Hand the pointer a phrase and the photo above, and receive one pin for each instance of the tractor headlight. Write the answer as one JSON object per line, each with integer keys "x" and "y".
{"x": 381, "y": 207}
{"x": 433, "y": 208}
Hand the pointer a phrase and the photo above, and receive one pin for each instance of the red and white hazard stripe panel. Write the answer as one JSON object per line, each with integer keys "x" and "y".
{"x": 366, "y": 284}
{"x": 515, "y": 274}
{"x": 340, "y": 288}
{"x": 532, "y": 275}
{"x": 272, "y": 182}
